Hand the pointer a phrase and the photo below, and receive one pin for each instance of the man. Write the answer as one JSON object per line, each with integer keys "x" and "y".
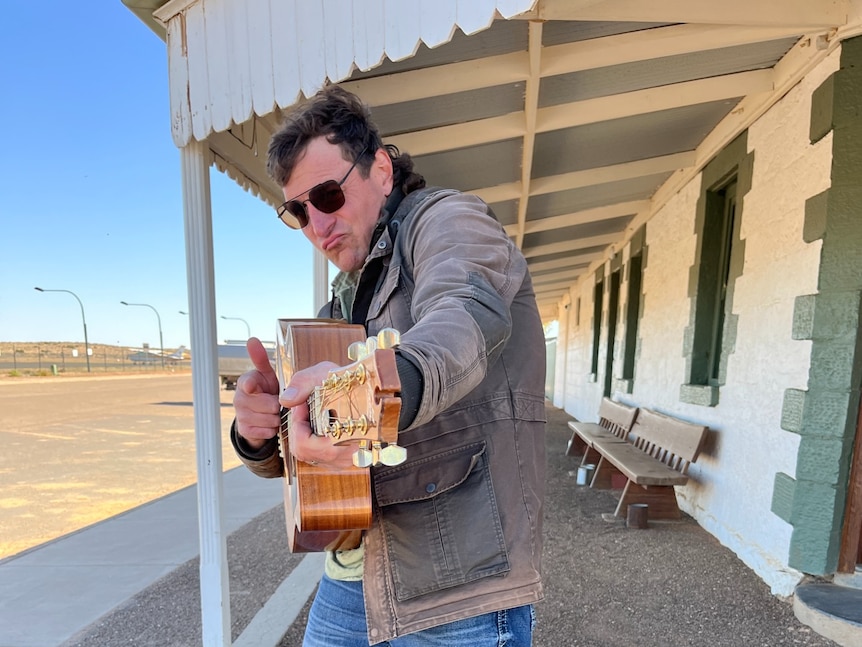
{"x": 453, "y": 554}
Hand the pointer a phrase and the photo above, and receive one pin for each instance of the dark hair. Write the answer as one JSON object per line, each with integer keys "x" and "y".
{"x": 345, "y": 121}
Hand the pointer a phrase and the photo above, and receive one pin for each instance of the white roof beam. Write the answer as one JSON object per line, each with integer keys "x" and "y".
{"x": 578, "y": 113}
{"x": 560, "y": 264}
{"x": 575, "y": 259}
{"x": 588, "y": 215}
{"x": 531, "y": 108}
{"x": 665, "y": 97}
{"x": 550, "y": 287}
{"x": 472, "y": 133}
{"x": 551, "y": 293}
{"x": 588, "y": 177}
{"x": 544, "y": 280}
{"x": 806, "y": 13}
{"x": 648, "y": 44}
{"x": 572, "y": 245}
{"x": 442, "y": 79}
{"x": 614, "y": 173}
{"x": 596, "y": 214}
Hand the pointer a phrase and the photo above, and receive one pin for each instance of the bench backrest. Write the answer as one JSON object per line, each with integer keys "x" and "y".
{"x": 617, "y": 418}
{"x": 674, "y": 442}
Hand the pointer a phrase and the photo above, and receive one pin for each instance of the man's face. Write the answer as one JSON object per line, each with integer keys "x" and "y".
{"x": 344, "y": 235}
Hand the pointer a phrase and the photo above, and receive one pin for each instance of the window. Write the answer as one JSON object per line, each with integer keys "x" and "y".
{"x": 713, "y": 285}
{"x": 633, "y": 307}
{"x": 711, "y": 335}
{"x": 613, "y": 306}
{"x": 598, "y": 297}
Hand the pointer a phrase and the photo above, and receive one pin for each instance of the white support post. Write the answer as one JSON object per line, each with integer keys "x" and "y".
{"x": 321, "y": 280}
{"x": 197, "y": 211}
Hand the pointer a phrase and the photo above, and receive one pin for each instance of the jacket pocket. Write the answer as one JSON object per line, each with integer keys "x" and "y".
{"x": 440, "y": 522}
{"x": 388, "y": 297}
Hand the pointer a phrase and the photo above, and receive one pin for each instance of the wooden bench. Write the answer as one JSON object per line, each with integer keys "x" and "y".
{"x": 615, "y": 422}
{"x": 654, "y": 462}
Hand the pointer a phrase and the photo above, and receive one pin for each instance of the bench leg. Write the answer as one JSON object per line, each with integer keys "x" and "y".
{"x": 576, "y": 446}
{"x": 590, "y": 457}
{"x": 661, "y": 500}
{"x": 604, "y": 476}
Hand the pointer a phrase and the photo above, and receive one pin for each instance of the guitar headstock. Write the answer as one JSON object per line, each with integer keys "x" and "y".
{"x": 359, "y": 403}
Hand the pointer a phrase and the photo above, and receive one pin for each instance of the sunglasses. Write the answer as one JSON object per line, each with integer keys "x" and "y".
{"x": 327, "y": 197}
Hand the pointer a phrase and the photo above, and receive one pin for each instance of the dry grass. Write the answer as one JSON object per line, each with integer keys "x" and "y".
{"x": 52, "y": 358}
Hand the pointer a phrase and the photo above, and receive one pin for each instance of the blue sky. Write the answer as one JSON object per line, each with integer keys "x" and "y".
{"x": 91, "y": 199}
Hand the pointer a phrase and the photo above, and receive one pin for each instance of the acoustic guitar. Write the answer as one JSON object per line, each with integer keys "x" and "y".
{"x": 359, "y": 405}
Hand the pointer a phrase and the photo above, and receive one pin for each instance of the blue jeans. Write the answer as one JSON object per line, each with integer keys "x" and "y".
{"x": 337, "y": 619}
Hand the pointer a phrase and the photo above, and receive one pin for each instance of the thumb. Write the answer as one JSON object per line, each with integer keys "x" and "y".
{"x": 260, "y": 358}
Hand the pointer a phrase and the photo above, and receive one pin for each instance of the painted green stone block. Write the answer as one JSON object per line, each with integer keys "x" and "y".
{"x": 792, "y": 410}
{"x": 837, "y": 317}
{"x": 702, "y": 395}
{"x": 831, "y": 365}
{"x": 822, "y": 459}
{"x": 814, "y": 550}
{"x": 803, "y": 316}
{"x": 815, "y": 412}
{"x": 816, "y": 207}
{"x": 822, "y": 101}
{"x": 782, "y": 496}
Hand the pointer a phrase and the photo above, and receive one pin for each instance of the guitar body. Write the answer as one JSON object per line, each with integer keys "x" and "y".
{"x": 327, "y": 509}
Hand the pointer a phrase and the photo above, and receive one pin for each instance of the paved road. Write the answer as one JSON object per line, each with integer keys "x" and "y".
{"x": 77, "y": 450}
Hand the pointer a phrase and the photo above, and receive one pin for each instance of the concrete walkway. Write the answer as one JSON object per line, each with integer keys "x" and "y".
{"x": 133, "y": 580}
{"x": 50, "y": 593}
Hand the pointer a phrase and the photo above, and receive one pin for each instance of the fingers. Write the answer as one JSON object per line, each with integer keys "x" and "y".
{"x": 258, "y": 410}
{"x": 258, "y": 416}
{"x": 303, "y": 382}
{"x": 311, "y": 448}
{"x": 304, "y": 444}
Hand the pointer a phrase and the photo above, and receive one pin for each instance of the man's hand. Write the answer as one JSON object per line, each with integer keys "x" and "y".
{"x": 305, "y": 445}
{"x": 256, "y": 398}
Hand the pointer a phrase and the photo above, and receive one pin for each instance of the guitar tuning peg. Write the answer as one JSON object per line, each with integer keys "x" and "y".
{"x": 358, "y": 350}
{"x": 393, "y": 455}
{"x": 388, "y": 338}
{"x": 363, "y": 458}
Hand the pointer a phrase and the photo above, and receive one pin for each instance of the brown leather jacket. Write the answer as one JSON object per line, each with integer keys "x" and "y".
{"x": 457, "y": 528}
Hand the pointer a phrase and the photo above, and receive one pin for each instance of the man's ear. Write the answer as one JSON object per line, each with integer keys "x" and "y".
{"x": 381, "y": 170}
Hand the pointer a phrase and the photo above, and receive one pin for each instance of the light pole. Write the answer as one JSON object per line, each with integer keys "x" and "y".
{"x": 83, "y": 319}
{"x": 247, "y": 327}
{"x": 161, "y": 340}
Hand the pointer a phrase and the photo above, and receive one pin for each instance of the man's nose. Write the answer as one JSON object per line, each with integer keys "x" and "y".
{"x": 319, "y": 222}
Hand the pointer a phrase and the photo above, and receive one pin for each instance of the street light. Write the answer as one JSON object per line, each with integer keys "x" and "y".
{"x": 247, "y": 327}
{"x": 161, "y": 341}
{"x": 83, "y": 319}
